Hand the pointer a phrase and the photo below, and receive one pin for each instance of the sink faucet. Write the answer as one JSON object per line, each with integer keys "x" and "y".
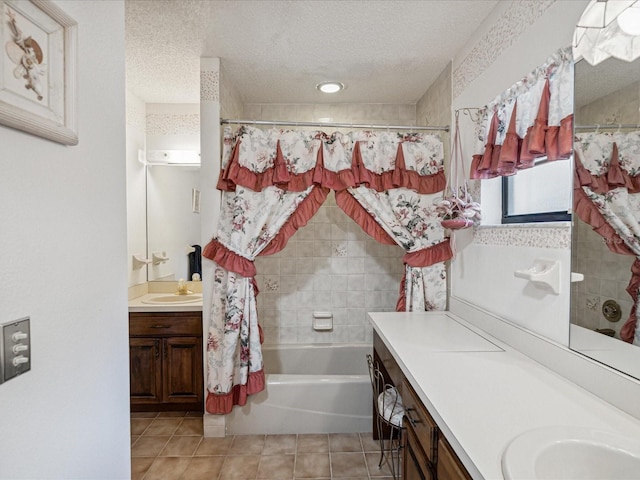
{"x": 182, "y": 287}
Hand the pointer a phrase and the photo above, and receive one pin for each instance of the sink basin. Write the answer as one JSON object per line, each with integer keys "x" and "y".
{"x": 569, "y": 453}
{"x": 173, "y": 298}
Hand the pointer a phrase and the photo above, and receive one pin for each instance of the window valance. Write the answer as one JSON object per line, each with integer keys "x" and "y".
{"x": 605, "y": 161}
{"x": 295, "y": 160}
{"x": 530, "y": 120}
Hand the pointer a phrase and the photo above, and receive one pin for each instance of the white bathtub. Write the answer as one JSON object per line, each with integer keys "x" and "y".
{"x": 310, "y": 389}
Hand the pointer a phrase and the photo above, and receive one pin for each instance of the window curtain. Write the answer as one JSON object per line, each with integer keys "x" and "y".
{"x": 273, "y": 182}
{"x": 530, "y": 120}
{"x": 607, "y": 197}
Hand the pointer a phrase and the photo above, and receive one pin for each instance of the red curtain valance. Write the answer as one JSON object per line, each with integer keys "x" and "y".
{"x": 614, "y": 177}
{"x": 513, "y": 140}
{"x": 281, "y": 172}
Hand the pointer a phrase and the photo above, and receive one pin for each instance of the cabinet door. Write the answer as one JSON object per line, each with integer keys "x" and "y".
{"x": 415, "y": 464}
{"x": 183, "y": 369}
{"x": 145, "y": 367}
{"x": 449, "y": 465}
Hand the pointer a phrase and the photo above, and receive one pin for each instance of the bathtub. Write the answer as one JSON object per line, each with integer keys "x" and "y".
{"x": 310, "y": 389}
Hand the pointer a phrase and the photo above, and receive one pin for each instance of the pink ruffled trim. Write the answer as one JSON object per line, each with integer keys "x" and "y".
{"x": 440, "y": 252}
{"x": 229, "y": 260}
{"x": 556, "y": 143}
{"x": 359, "y": 214}
{"x": 399, "y": 177}
{"x": 222, "y": 404}
{"x": 615, "y": 177}
{"x": 307, "y": 209}
{"x": 280, "y": 176}
{"x": 589, "y": 213}
{"x": 628, "y": 330}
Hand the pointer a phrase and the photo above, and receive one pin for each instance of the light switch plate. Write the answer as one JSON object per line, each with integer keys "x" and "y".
{"x": 15, "y": 359}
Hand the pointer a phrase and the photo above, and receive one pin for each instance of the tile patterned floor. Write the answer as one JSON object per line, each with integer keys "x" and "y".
{"x": 170, "y": 446}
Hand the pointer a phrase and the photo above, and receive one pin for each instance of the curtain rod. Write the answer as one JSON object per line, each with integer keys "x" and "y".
{"x": 410, "y": 128}
{"x": 607, "y": 126}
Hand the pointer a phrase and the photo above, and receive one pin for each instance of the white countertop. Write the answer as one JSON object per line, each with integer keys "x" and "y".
{"x": 481, "y": 392}
{"x": 137, "y": 305}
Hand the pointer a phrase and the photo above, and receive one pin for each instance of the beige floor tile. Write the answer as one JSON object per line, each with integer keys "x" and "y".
{"x": 344, "y": 442}
{"x": 279, "y": 445}
{"x": 214, "y": 446}
{"x": 139, "y": 425}
{"x": 247, "y": 445}
{"x": 240, "y": 467}
{"x": 149, "y": 446}
{"x": 276, "y": 467}
{"x": 203, "y": 468}
{"x": 180, "y": 446}
{"x": 144, "y": 414}
{"x": 171, "y": 414}
{"x": 163, "y": 426}
{"x": 139, "y": 467}
{"x": 195, "y": 414}
{"x": 190, "y": 426}
{"x": 167, "y": 468}
{"x": 368, "y": 443}
{"x": 372, "y": 460}
{"x": 134, "y": 439}
{"x": 313, "y": 443}
{"x": 312, "y": 465}
{"x": 344, "y": 465}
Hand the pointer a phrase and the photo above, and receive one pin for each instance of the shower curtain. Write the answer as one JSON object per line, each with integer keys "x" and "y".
{"x": 273, "y": 182}
{"x": 607, "y": 197}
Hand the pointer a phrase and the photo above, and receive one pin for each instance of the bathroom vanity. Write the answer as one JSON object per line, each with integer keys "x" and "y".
{"x": 426, "y": 452}
{"x": 470, "y": 399}
{"x": 165, "y": 357}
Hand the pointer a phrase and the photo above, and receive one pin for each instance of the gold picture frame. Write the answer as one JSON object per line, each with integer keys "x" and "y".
{"x": 38, "y": 77}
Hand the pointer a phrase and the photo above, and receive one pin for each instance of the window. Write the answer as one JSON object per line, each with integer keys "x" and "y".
{"x": 539, "y": 194}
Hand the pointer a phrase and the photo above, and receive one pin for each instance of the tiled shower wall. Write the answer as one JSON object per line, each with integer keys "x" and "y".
{"x": 330, "y": 265}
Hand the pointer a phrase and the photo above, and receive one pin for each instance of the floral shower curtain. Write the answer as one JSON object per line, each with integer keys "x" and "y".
{"x": 273, "y": 182}
{"x": 607, "y": 197}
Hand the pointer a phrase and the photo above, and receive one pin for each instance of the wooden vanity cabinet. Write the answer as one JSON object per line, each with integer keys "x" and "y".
{"x": 416, "y": 466}
{"x": 449, "y": 465}
{"x": 427, "y": 454}
{"x": 165, "y": 361}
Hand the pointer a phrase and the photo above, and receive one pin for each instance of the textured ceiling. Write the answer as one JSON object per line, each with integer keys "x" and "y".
{"x": 277, "y": 51}
{"x": 594, "y": 82}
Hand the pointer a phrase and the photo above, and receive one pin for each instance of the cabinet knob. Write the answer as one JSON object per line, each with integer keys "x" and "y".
{"x": 160, "y": 326}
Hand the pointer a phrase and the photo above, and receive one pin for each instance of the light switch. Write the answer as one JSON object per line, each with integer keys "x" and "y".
{"x": 15, "y": 348}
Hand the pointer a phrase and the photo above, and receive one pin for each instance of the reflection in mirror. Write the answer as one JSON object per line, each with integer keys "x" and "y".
{"x": 607, "y": 159}
{"x": 173, "y": 221}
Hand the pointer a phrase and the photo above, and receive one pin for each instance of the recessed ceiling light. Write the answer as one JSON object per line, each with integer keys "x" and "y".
{"x": 330, "y": 87}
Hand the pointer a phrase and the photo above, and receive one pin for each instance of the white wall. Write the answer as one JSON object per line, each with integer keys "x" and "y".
{"x": 529, "y": 32}
{"x": 63, "y": 238}
{"x": 136, "y": 188}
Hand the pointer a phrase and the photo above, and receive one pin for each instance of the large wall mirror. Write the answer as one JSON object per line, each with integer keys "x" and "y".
{"x": 607, "y": 114}
{"x": 173, "y": 220}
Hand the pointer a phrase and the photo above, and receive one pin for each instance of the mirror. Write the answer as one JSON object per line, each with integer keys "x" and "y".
{"x": 173, "y": 220}
{"x": 605, "y": 94}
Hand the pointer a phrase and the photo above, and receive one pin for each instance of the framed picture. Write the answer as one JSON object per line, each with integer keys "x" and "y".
{"x": 38, "y": 69}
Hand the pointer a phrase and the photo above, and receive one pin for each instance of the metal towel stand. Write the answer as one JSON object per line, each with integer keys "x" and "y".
{"x": 385, "y": 407}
